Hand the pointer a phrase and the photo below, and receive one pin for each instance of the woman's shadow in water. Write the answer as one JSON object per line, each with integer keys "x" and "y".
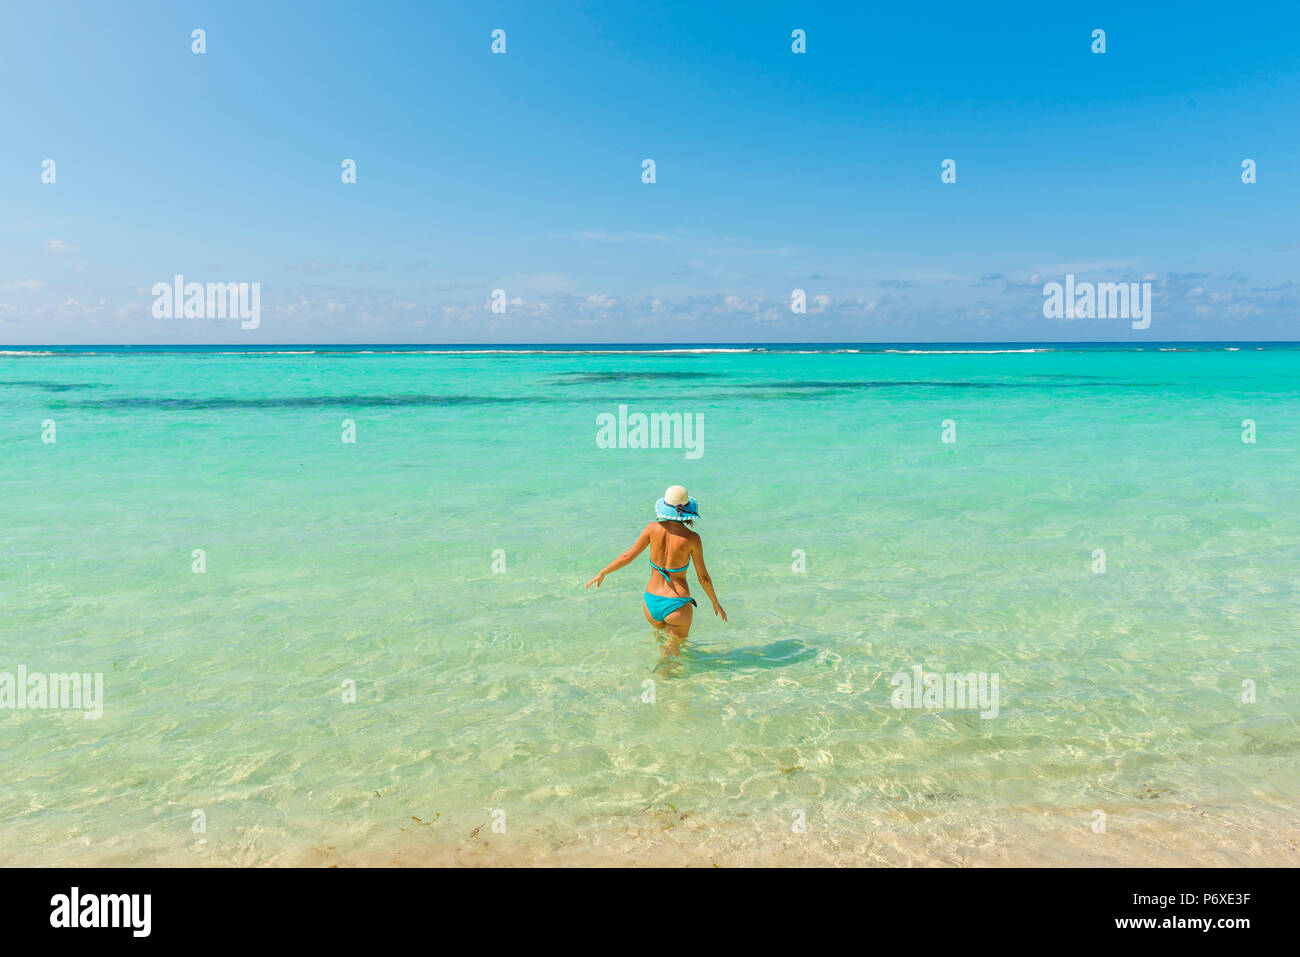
{"x": 778, "y": 654}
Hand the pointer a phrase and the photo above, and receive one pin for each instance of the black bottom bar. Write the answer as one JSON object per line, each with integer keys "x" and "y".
{"x": 944, "y": 907}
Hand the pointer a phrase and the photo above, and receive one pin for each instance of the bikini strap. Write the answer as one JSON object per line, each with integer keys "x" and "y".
{"x": 665, "y": 571}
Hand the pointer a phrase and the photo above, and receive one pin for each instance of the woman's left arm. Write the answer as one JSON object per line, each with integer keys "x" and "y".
{"x": 625, "y": 559}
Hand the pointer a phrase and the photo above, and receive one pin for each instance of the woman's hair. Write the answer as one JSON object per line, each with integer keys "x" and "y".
{"x": 688, "y": 522}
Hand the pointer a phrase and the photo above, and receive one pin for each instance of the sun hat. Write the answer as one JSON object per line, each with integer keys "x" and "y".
{"x": 676, "y": 506}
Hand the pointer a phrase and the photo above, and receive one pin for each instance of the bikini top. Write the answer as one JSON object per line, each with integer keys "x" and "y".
{"x": 665, "y": 571}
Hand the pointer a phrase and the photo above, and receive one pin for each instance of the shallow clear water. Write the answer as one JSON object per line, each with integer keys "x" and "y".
{"x": 516, "y": 690}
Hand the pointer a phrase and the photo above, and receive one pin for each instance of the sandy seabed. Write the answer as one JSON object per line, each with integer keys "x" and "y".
{"x": 1134, "y": 836}
{"x": 1139, "y": 833}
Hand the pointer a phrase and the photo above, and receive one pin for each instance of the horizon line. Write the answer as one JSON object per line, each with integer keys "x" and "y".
{"x": 658, "y": 345}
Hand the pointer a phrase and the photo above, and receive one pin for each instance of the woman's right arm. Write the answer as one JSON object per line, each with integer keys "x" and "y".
{"x": 702, "y": 573}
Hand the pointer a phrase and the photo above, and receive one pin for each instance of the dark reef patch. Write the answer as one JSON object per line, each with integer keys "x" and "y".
{"x": 299, "y": 402}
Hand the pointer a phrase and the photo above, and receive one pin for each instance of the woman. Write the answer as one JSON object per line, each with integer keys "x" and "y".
{"x": 668, "y": 603}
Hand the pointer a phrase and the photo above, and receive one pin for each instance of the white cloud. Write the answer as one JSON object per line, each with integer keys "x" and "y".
{"x": 599, "y": 236}
{"x": 22, "y": 284}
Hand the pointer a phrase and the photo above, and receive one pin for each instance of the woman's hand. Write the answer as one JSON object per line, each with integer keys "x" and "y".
{"x": 718, "y": 610}
{"x": 595, "y": 581}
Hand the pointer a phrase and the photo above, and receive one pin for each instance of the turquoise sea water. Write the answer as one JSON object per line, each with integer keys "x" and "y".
{"x": 482, "y": 690}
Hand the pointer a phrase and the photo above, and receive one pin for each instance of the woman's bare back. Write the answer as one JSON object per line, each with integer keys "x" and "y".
{"x": 670, "y": 549}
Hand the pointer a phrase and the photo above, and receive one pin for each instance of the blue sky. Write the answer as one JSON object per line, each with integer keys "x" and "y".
{"x": 522, "y": 171}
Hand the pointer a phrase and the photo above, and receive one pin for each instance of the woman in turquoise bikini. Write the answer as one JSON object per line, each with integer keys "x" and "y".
{"x": 668, "y": 602}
